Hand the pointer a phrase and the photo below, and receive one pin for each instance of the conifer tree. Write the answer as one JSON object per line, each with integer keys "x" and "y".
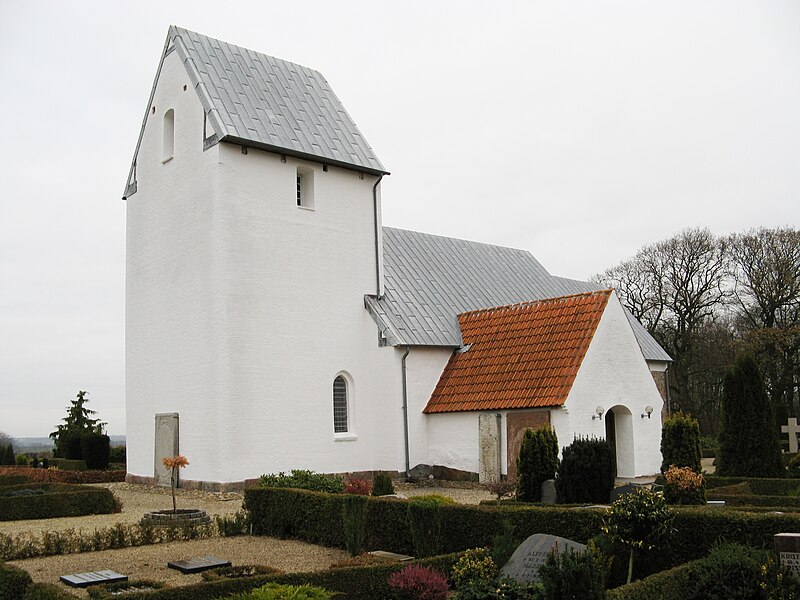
{"x": 680, "y": 443}
{"x": 537, "y": 462}
{"x": 77, "y": 423}
{"x": 749, "y": 439}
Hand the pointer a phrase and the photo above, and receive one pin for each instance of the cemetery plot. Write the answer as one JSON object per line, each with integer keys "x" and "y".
{"x": 82, "y": 580}
{"x": 197, "y": 565}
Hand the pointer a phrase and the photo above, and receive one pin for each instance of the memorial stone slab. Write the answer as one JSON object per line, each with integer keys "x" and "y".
{"x": 196, "y": 565}
{"x": 524, "y": 564}
{"x": 549, "y": 491}
{"x": 82, "y": 580}
{"x": 787, "y": 547}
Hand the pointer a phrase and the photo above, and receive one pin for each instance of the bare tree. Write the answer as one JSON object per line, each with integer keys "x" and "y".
{"x": 767, "y": 292}
{"x": 676, "y": 288}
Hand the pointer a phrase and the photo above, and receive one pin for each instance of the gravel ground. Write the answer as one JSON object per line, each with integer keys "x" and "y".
{"x": 472, "y": 495}
{"x": 150, "y": 562}
{"x": 136, "y": 500}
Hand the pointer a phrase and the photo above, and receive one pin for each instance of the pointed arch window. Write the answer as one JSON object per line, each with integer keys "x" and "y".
{"x": 169, "y": 135}
{"x": 340, "y": 420}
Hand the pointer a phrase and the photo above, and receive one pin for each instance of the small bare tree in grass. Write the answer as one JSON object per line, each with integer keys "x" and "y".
{"x": 173, "y": 463}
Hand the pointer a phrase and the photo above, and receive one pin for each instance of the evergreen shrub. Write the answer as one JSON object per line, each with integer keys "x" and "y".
{"x": 586, "y": 472}
{"x": 235, "y": 571}
{"x": 67, "y": 464}
{"x": 50, "y": 500}
{"x": 500, "y": 589}
{"x": 277, "y": 591}
{"x": 13, "y": 582}
{"x": 302, "y": 479}
{"x": 680, "y": 442}
{"x": 46, "y": 591}
{"x": 567, "y": 575}
{"x": 95, "y": 450}
{"x": 748, "y": 441}
{"x": 475, "y": 565}
{"x": 537, "y": 462}
{"x": 7, "y": 456}
{"x": 354, "y": 511}
{"x": 426, "y": 526}
{"x": 382, "y": 485}
{"x": 117, "y": 454}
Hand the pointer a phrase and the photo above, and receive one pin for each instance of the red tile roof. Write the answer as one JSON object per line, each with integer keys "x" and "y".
{"x": 520, "y": 356}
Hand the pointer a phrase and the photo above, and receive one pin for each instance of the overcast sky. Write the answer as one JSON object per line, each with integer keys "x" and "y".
{"x": 579, "y": 131}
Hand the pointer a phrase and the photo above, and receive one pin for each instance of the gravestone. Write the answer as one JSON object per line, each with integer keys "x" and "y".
{"x": 489, "y": 447}
{"x": 196, "y": 565}
{"x": 628, "y": 488}
{"x": 792, "y": 429}
{"x": 787, "y": 547}
{"x": 524, "y": 564}
{"x": 166, "y": 446}
{"x": 82, "y": 580}
{"x": 549, "y": 491}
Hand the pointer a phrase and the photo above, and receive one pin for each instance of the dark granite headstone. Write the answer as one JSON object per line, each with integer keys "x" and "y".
{"x": 628, "y": 488}
{"x": 549, "y": 491}
{"x": 82, "y": 580}
{"x": 523, "y": 566}
{"x": 196, "y": 565}
{"x": 787, "y": 547}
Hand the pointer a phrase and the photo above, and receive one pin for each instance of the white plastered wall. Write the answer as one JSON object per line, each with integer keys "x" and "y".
{"x": 241, "y": 308}
{"x": 614, "y": 373}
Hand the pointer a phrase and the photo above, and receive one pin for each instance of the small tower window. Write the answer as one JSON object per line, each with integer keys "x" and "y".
{"x": 340, "y": 405}
{"x": 169, "y": 135}
{"x": 305, "y": 187}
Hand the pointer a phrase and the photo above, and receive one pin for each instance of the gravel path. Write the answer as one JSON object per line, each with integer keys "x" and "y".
{"x": 136, "y": 500}
{"x": 150, "y": 562}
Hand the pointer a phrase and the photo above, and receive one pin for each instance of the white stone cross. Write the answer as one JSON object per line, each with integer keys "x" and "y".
{"x": 792, "y": 429}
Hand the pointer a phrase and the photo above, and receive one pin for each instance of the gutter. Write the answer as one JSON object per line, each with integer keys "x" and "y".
{"x": 378, "y": 267}
{"x": 405, "y": 412}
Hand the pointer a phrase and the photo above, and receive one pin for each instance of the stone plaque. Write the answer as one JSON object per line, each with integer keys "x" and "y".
{"x": 787, "y": 547}
{"x": 523, "y": 566}
{"x": 166, "y": 446}
{"x": 82, "y": 580}
{"x": 196, "y": 565}
{"x": 549, "y": 495}
{"x": 489, "y": 447}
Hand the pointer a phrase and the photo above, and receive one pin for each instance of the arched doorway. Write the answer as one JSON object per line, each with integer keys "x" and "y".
{"x": 619, "y": 433}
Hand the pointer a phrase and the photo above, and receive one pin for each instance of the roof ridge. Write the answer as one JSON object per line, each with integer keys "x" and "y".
{"x": 456, "y": 239}
{"x": 528, "y": 303}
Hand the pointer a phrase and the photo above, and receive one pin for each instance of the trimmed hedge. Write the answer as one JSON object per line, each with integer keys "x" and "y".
{"x": 46, "y": 591}
{"x": 6, "y": 480}
{"x": 759, "y": 486}
{"x": 63, "y": 476}
{"x": 58, "y": 500}
{"x": 13, "y": 582}
{"x": 68, "y": 464}
{"x": 789, "y": 502}
{"x": 352, "y": 583}
{"x": 317, "y": 517}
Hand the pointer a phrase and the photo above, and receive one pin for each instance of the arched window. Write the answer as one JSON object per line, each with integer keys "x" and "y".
{"x": 340, "y": 405}
{"x": 169, "y": 134}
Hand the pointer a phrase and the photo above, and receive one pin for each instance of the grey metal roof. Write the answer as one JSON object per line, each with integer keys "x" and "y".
{"x": 429, "y": 280}
{"x": 265, "y": 102}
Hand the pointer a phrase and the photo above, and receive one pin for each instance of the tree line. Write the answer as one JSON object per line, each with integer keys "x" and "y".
{"x": 708, "y": 299}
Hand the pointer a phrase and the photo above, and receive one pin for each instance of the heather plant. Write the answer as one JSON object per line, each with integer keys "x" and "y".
{"x": 502, "y": 488}
{"x": 680, "y": 442}
{"x": 304, "y": 480}
{"x": 684, "y": 486}
{"x": 474, "y": 565}
{"x": 418, "y": 583}
{"x": 586, "y": 472}
{"x": 361, "y": 487}
{"x": 640, "y": 521}
{"x": 174, "y": 463}
{"x": 382, "y": 485}
{"x": 537, "y": 462}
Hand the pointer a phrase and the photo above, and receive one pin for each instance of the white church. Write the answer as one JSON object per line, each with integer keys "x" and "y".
{"x": 273, "y": 323}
